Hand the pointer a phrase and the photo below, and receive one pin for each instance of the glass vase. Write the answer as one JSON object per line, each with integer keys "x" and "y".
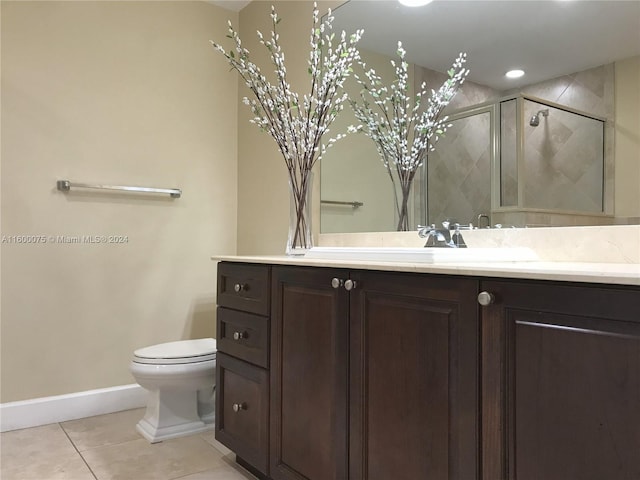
{"x": 300, "y": 239}
{"x": 403, "y": 200}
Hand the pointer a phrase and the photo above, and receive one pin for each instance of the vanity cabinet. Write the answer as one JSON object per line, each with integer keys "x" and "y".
{"x": 345, "y": 374}
{"x": 560, "y": 381}
{"x": 242, "y": 374}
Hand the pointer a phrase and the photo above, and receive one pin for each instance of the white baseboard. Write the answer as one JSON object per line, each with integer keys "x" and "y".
{"x": 46, "y": 410}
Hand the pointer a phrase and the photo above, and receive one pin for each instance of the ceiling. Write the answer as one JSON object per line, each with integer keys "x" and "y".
{"x": 547, "y": 39}
{"x": 235, "y": 5}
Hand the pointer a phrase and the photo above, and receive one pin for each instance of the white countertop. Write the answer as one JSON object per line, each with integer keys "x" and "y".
{"x": 605, "y": 273}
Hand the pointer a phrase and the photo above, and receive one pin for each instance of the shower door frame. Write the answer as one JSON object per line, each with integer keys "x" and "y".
{"x": 607, "y": 159}
{"x": 421, "y": 197}
{"x": 421, "y": 205}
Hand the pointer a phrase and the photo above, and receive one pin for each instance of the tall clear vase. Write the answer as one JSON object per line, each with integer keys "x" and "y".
{"x": 300, "y": 238}
{"x": 403, "y": 197}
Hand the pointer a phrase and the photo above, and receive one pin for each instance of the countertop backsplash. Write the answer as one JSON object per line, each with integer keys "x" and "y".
{"x": 594, "y": 244}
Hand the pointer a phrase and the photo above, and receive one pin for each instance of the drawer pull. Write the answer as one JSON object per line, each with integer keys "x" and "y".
{"x": 485, "y": 298}
{"x": 240, "y": 287}
{"x": 240, "y": 335}
{"x": 237, "y": 407}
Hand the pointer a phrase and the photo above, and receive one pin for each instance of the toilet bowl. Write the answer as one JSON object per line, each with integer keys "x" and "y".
{"x": 180, "y": 378}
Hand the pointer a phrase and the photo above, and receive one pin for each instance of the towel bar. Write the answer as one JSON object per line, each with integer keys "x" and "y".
{"x": 66, "y": 185}
{"x": 354, "y": 204}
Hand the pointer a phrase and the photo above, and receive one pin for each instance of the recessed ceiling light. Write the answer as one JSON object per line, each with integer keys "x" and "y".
{"x": 414, "y": 3}
{"x": 514, "y": 73}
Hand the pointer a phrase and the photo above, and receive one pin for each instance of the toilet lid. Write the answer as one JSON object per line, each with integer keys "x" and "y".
{"x": 184, "y": 351}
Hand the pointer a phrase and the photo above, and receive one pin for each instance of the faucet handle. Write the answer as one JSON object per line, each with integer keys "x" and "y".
{"x": 457, "y": 239}
{"x": 424, "y": 231}
{"x": 450, "y": 223}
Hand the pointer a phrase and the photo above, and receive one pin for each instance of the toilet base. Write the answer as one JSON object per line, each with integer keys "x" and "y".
{"x": 171, "y": 414}
{"x": 206, "y": 405}
{"x": 155, "y": 435}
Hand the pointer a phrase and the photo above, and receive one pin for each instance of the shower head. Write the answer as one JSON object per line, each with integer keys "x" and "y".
{"x": 535, "y": 119}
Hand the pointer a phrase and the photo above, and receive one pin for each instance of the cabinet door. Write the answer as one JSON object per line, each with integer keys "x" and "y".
{"x": 309, "y": 370}
{"x": 561, "y": 382}
{"x": 414, "y": 388}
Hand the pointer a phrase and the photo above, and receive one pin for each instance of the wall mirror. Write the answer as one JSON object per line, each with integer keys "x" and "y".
{"x": 534, "y": 151}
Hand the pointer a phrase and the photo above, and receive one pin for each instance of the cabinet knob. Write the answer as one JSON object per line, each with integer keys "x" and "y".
{"x": 237, "y": 407}
{"x": 239, "y": 335}
{"x": 336, "y": 282}
{"x": 349, "y": 284}
{"x": 239, "y": 287}
{"x": 486, "y": 298}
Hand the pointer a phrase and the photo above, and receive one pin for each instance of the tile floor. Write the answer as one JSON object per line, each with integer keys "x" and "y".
{"x": 107, "y": 447}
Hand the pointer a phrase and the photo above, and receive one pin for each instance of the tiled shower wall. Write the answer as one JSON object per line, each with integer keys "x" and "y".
{"x": 590, "y": 91}
{"x": 563, "y": 156}
{"x": 563, "y": 159}
{"x": 459, "y": 172}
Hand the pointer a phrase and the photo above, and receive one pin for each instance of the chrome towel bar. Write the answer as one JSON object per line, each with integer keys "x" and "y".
{"x": 66, "y": 185}
{"x": 354, "y": 204}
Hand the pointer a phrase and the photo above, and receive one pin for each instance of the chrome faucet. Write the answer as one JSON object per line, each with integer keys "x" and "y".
{"x": 435, "y": 237}
{"x": 442, "y": 237}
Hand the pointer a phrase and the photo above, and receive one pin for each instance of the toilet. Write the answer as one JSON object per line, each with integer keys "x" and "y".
{"x": 180, "y": 377}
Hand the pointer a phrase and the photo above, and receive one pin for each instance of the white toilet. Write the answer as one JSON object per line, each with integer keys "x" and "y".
{"x": 180, "y": 377}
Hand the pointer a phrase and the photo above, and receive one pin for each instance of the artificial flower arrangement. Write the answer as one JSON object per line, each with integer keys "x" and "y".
{"x": 298, "y": 124}
{"x": 404, "y": 131}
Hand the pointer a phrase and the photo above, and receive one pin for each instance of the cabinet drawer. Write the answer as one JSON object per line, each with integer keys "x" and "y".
{"x": 242, "y": 409}
{"x": 244, "y": 335}
{"x": 244, "y": 287}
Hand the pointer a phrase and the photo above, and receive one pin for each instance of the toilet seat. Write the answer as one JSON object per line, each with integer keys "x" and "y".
{"x": 180, "y": 352}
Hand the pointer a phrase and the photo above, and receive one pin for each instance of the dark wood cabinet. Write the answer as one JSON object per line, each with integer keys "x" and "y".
{"x": 242, "y": 374}
{"x": 243, "y": 335}
{"x": 309, "y": 375}
{"x": 560, "y": 382}
{"x": 244, "y": 287}
{"x": 373, "y": 383}
{"x": 414, "y": 377}
{"x": 339, "y": 374}
{"x": 242, "y": 410}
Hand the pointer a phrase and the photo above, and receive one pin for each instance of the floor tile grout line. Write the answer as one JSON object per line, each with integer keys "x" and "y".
{"x": 190, "y": 474}
{"x": 78, "y": 451}
{"x": 226, "y": 457}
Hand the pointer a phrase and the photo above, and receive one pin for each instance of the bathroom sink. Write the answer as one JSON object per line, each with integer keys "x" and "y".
{"x": 424, "y": 255}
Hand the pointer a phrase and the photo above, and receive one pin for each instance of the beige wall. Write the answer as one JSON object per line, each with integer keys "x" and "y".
{"x": 263, "y": 200}
{"x": 627, "y": 172}
{"x": 122, "y": 93}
